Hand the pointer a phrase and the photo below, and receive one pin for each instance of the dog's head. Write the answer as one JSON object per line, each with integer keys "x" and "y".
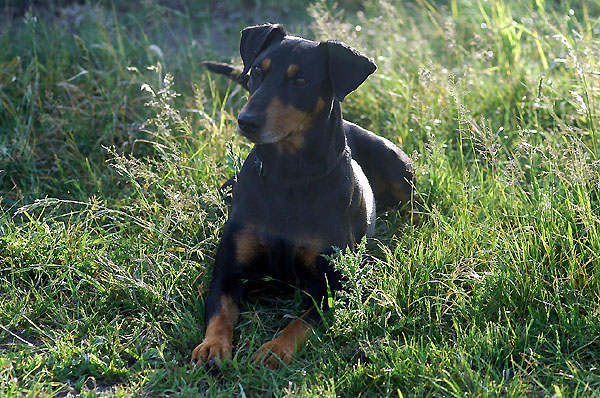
{"x": 293, "y": 81}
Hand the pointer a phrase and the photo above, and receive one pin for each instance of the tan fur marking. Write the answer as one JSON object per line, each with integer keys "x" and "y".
{"x": 248, "y": 245}
{"x": 284, "y": 347}
{"x": 217, "y": 343}
{"x": 399, "y": 192}
{"x": 292, "y": 71}
{"x": 289, "y": 122}
{"x": 308, "y": 252}
{"x": 308, "y": 257}
{"x": 265, "y": 64}
{"x": 319, "y": 105}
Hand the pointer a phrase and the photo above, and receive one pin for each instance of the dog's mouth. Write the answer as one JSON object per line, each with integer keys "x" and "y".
{"x": 262, "y": 136}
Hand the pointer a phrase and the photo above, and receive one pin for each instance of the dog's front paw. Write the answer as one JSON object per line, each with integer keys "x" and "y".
{"x": 211, "y": 352}
{"x": 275, "y": 353}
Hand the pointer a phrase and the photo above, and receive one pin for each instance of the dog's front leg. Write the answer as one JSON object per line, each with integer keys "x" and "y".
{"x": 217, "y": 344}
{"x": 283, "y": 348}
{"x": 222, "y": 305}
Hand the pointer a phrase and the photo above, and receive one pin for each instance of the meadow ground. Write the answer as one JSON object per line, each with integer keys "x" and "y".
{"x": 114, "y": 140}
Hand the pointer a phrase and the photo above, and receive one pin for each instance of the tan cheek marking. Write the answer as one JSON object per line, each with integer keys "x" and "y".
{"x": 287, "y": 121}
{"x": 265, "y": 64}
{"x": 292, "y": 71}
{"x": 248, "y": 245}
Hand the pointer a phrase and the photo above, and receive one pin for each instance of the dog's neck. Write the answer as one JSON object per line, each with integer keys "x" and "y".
{"x": 323, "y": 145}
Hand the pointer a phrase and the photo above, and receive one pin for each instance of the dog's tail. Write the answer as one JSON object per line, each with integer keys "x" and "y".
{"x": 229, "y": 71}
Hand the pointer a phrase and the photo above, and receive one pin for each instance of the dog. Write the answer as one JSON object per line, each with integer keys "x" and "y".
{"x": 388, "y": 169}
{"x": 299, "y": 193}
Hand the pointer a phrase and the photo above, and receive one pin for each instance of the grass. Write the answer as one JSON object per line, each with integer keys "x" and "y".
{"x": 113, "y": 142}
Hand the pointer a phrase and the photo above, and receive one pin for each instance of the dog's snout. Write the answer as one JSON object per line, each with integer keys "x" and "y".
{"x": 249, "y": 123}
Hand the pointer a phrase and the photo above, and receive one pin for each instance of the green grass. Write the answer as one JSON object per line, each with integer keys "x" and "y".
{"x": 113, "y": 142}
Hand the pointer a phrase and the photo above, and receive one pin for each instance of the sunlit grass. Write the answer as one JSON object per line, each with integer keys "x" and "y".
{"x": 113, "y": 142}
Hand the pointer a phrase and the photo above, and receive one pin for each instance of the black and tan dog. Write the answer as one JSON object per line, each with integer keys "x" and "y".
{"x": 299, "y": 192}
{"x": 388, "y": 169}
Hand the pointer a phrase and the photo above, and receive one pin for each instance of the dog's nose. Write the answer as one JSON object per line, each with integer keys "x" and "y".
{"x": 249, "y": 123}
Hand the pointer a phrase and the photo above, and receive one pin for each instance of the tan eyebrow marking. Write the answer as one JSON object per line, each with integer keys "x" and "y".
{"x": 265, "y": 64}
{"x": 292, "y": 71}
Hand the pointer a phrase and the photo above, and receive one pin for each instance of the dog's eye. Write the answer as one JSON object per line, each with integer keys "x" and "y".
{"x": 257, "y": 70}
{"x": 299, "y": 81}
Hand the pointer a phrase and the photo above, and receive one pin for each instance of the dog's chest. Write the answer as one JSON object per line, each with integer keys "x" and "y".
{"x": 296, "y": 210}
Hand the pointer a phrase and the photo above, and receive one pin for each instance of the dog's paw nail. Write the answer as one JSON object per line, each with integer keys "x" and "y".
{"x": 211, "y": 363}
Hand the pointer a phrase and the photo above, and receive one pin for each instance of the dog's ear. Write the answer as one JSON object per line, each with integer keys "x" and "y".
{"x": 348, "y": 68}
{"x": 257, "y": 38}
